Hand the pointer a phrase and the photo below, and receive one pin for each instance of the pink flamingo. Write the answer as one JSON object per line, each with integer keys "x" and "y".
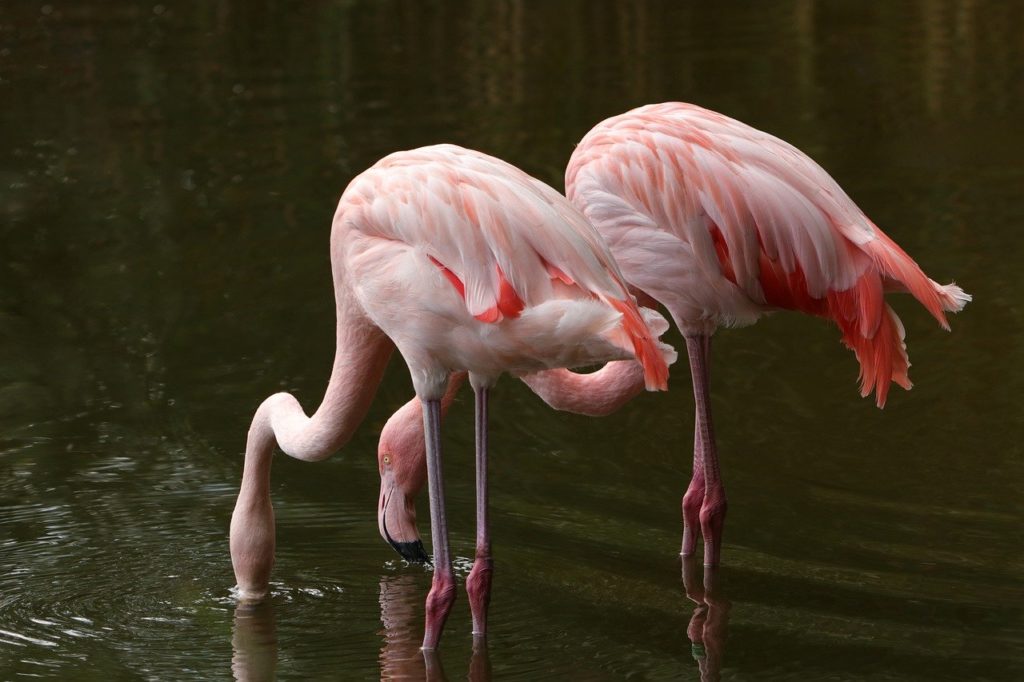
{"x": 464, "y": 263}
{"x": 720, "y": 223}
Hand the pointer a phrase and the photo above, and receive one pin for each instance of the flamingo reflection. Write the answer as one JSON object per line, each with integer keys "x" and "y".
{"x": 254, "y": 642}
{"x": 708, "y": 625}
{"x": 401, "y": 657}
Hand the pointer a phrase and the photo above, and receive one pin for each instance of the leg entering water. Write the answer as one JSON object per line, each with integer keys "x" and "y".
{"x": 694, "y": 496}
{"x": 713, "y": 506}
{"x": 442, "y": 590}
{"x": 478, "y": 585}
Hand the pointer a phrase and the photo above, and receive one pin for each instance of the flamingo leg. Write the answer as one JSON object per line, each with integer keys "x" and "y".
{"x": 478, "y": 585}
{"x": 694, "y": 496}
{"x": 442, "y": 590}
{"x": 713, "y": 506}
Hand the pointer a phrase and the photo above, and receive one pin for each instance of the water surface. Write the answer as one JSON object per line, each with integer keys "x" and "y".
{"x": 168, "y": 174}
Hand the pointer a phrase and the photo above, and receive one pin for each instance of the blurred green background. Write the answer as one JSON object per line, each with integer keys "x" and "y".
{"x": 168, "y": 173}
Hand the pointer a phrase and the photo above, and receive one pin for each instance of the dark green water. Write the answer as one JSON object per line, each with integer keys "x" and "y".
{"x": 167, "y": 179}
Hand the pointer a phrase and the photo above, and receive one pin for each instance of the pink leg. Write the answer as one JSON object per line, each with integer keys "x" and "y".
{"x": 442, "y": 591}
{"x": 694, "y": 496}
{"x": 713, "y": 506}
{"x": 478, "y": 586}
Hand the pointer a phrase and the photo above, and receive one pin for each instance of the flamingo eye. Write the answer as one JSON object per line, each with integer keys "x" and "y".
{"x": 387, "y": 459}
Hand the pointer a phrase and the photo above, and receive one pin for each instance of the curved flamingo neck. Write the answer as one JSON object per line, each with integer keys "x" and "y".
{"x": 595, "y": 394}
{"x": 360, "y": 358}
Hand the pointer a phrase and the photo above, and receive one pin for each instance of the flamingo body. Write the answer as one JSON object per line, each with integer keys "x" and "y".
{"x": 722, "y": 223}
{"x": 464, "y": 263}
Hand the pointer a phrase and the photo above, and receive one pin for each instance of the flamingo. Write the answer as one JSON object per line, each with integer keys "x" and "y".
{"x": 462, "y": 262}
{"x": 720, "y": 223}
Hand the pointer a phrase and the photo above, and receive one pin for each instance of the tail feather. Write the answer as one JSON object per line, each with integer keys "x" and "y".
{"x": 896, "y": 265}
{"x": 874, "y": 333}
{"x": 882, "y": 357}
{"x": 645, "y": 346}
{"x": 869, "y": 326}
{"x": 953, "y": 297}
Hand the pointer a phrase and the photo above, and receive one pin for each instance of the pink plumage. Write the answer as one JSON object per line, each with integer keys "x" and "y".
{"x": 441, "y": 234}
{"x": 462, "y": 262}
{"x": 723, "y": 223}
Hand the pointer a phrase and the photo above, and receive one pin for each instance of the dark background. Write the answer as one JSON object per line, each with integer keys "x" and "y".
{"x": 168, "y": 173}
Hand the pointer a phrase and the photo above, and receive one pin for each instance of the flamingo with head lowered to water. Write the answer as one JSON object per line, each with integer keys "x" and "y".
{"x": 462, "y": 262}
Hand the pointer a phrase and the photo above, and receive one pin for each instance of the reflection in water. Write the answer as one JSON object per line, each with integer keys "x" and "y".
{"x": 480, "y": 662}
{"x": 254, "y": 642}
{"x": 164, "y": 175}
{"x": 710, "y": 619}
{"x": 400, "y": 655}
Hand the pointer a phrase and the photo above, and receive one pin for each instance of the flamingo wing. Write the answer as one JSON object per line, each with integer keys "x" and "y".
{"x": 498, "y": 235}
{"x": 752, "y": 222}
{"x": 732, "y": 193}
{"x": 504, "y": 240}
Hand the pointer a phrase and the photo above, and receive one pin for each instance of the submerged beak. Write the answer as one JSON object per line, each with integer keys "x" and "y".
{"x": 396, "y": 519}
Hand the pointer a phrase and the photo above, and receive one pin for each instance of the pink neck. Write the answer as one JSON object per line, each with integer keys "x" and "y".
{"x": 360, "y": 358}
{"x": 596, "y": 394}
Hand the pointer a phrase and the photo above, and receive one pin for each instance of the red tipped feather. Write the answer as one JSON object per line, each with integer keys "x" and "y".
{"x": 509, "y": 302}
{"x": 644, "y": 346}
{"x": 558, "y": 274}
{"x": 882, "y": 357}
{"x": 874, "y": 333}
{"x": 901, "y": 269}
{"x": 870, "y": 327}
{"x": 451, "y": 276}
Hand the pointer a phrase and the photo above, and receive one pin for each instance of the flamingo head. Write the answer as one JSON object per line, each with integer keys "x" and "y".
{"x": 401, "y": 459}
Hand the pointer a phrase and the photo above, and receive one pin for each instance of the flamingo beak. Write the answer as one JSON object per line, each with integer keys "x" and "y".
{"x": 396, "y": 518}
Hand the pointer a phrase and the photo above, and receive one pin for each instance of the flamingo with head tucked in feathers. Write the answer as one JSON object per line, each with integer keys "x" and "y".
{"x": 720, "y": 223}
{"x": 462, "y": 262}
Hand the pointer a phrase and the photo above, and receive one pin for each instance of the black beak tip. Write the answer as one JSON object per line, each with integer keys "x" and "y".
{"x": 412, "y": 551}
